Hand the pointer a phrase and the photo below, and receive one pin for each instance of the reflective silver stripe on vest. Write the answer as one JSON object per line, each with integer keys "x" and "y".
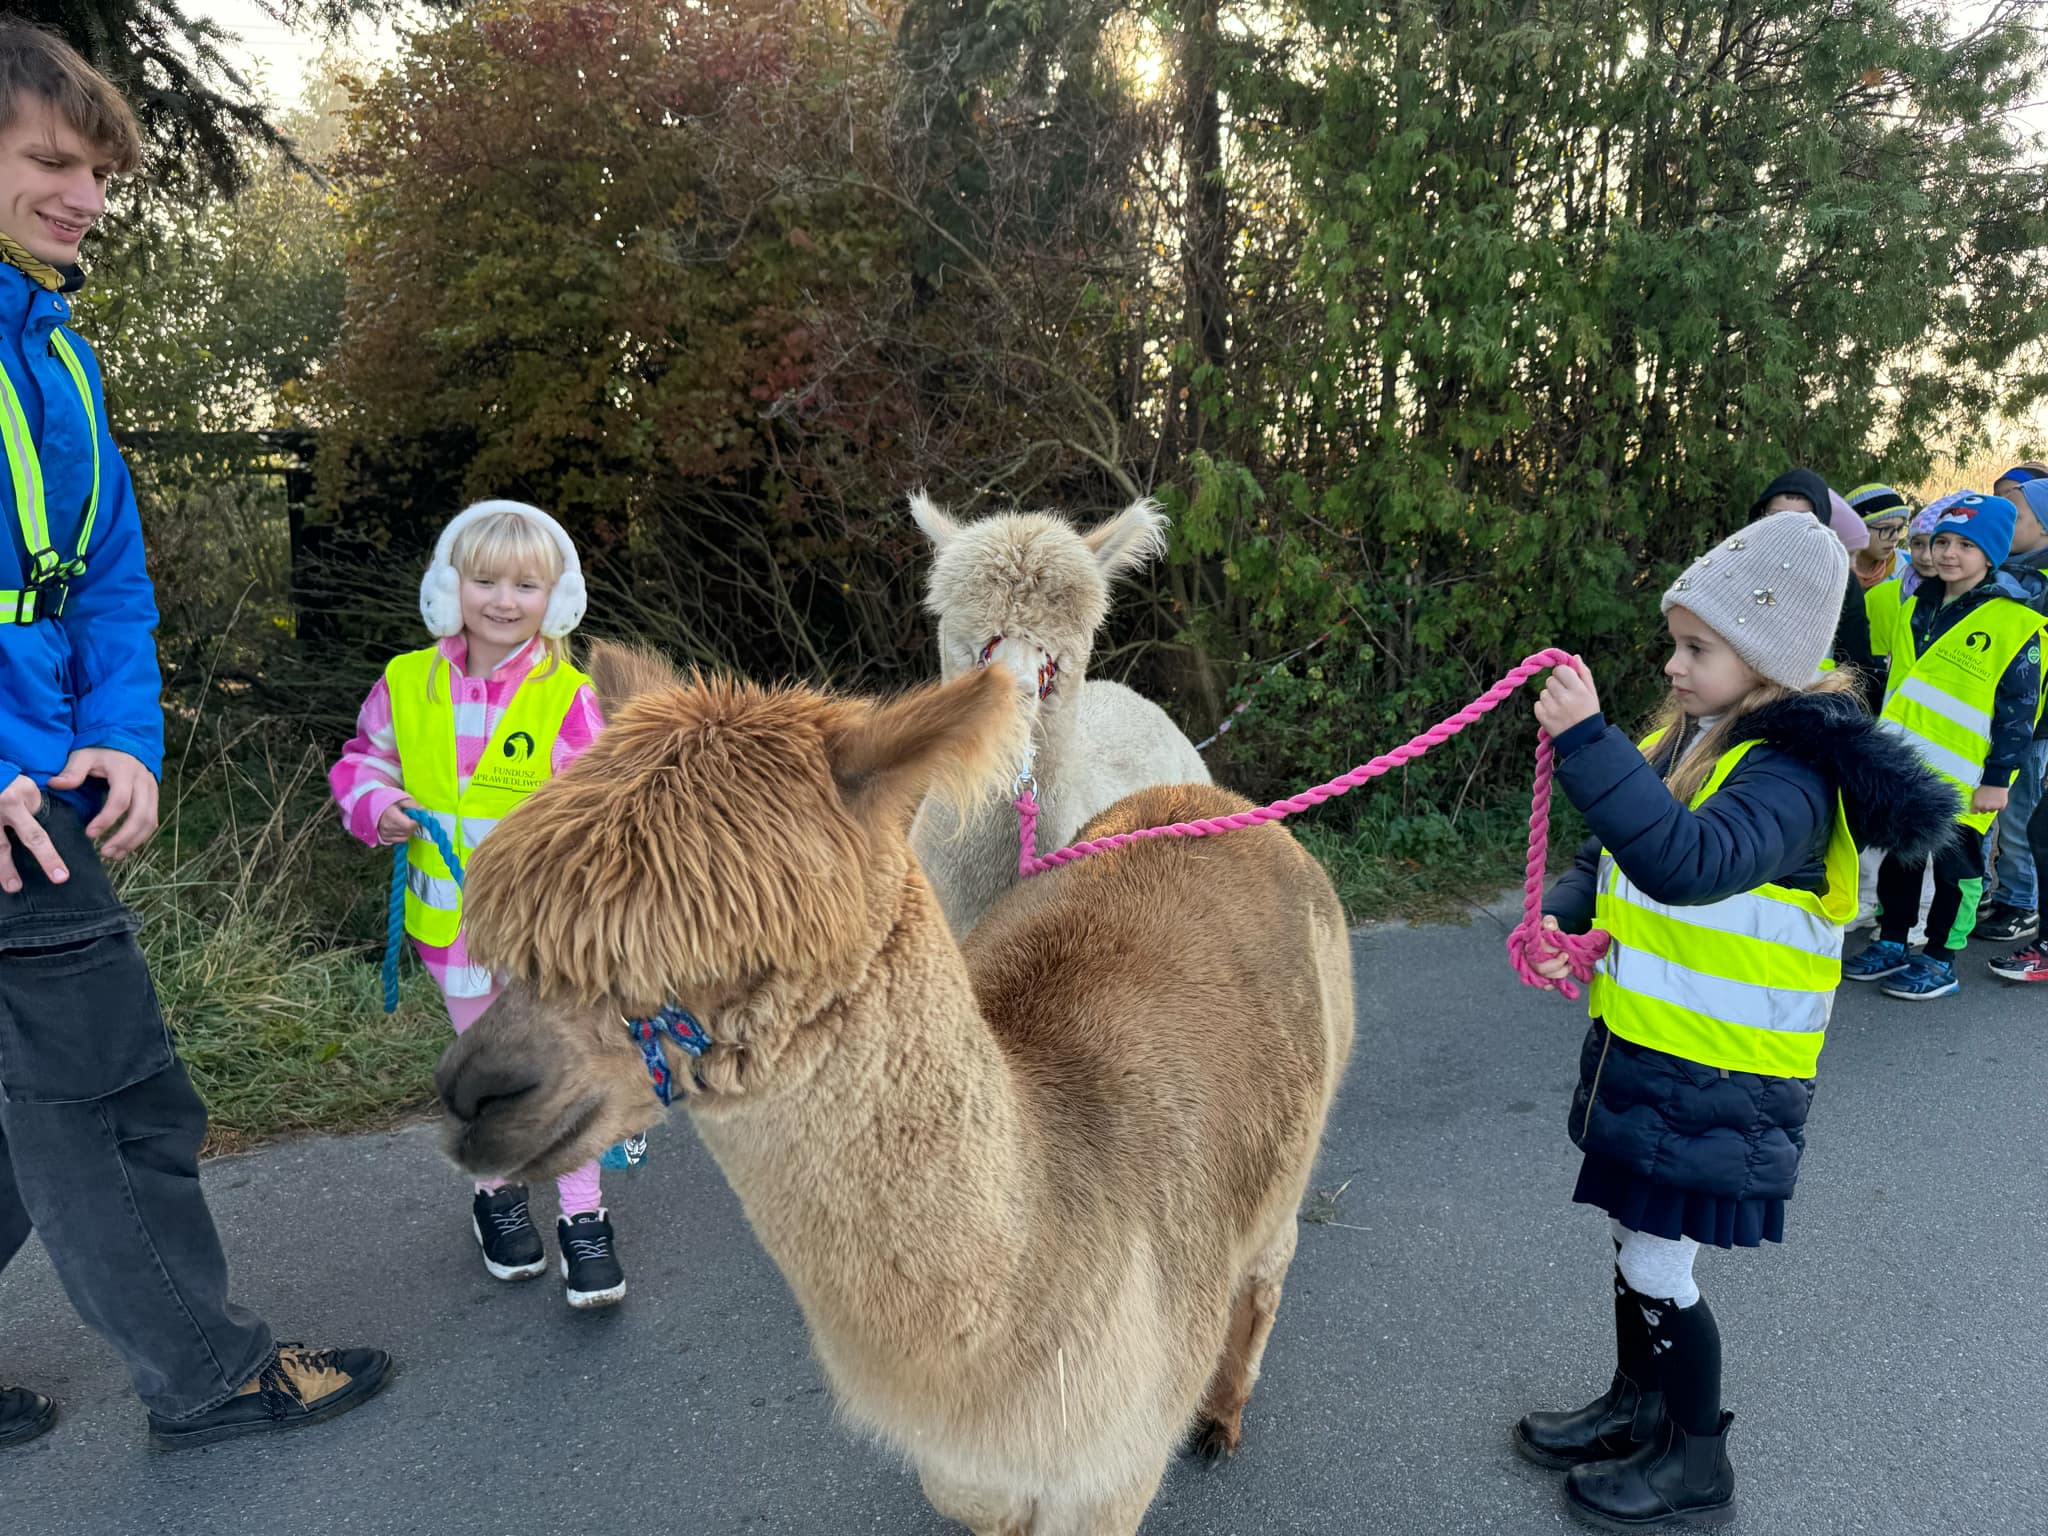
{"x": 1946, "y": 705}
{"x": 436, "y": 891}
{"x": 1941, "y": 759}
{"x": 1747, "y": 915}
{"x": 1792, "y": 1013}
{"x": 466, "y": 981}
{"x": 440, "y": 819}
{"x": 474, "y": 828}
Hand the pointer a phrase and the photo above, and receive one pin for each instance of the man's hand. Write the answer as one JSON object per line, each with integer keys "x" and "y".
{"x": 1988, "y": 799}
{"x": 1568, "y": 697}
{"x": 130, "y": 811}
{"x": 19, "y": 803}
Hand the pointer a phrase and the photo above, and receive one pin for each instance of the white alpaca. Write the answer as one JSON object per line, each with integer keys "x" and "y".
{"x": 1027, "y": 589}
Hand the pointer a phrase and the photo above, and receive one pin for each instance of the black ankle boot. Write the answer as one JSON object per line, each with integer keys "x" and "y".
{"x": 1612, "y": 1425}
{"x": 1677, "y": 1477}
{"x": 1626, "y": 1415}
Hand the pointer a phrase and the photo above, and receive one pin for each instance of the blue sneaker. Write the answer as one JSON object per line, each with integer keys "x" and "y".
{"x": 1879, "y": 960}
{"x": 1924, "y": 981}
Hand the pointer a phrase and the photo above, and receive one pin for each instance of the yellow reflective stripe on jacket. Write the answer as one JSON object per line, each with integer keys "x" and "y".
{"x": 516, "y": 761}
{"x": 25, "y": 471}
{"x": 1745, "y": 984}
{"x": 1942, "y": 703}
{"x": 68, "y": 355}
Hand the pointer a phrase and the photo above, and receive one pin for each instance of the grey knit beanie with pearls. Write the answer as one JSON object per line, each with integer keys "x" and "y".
{"x": 1773, "y": 592}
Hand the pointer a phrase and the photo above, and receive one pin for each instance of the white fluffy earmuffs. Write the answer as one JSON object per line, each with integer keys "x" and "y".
{"x": 441, "y": 587}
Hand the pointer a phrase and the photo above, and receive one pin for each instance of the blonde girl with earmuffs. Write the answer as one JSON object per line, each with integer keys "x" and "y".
{"x": 458, "y": 733}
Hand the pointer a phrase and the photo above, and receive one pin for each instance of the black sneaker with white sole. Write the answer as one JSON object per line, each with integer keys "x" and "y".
{"x": 590, "y": 1260}
{"x": 511, "y": 1244}
{"x": 2007, "y": 925}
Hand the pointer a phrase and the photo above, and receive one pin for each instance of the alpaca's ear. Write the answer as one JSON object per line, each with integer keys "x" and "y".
{"x": 1131, "y": 540}
{"x": 621, "y": 673}
{"x": 961, "y": 740}
{"x": 938, "y": 527}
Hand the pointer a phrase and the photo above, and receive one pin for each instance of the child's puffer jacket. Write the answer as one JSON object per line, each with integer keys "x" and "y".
{"x": 1677, "y": 1122}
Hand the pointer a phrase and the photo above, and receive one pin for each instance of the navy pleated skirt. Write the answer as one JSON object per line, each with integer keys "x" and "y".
{"x": 1643, "y": 1205}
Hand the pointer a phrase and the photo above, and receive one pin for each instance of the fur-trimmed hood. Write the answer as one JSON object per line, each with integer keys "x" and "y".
{"x": 1893, "y": 800}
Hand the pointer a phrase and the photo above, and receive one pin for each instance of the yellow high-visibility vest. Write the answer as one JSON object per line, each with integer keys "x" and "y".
{"x": 1885, "y": 606}
{"x": 1746, "y": 983}
{"x": 514, "y": 764}
{"x": 49, "y": 575}
{"x": 1942, "y": 702}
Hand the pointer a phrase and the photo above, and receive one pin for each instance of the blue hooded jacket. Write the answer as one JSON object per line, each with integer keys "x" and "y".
{"x": 88, "y": 678}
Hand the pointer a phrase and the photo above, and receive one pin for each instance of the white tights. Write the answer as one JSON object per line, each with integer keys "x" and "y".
{"x": 1657, "y": 1267}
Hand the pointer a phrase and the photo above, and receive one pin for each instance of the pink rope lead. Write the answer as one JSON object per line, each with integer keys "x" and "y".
{"x": 1526, "y": 945}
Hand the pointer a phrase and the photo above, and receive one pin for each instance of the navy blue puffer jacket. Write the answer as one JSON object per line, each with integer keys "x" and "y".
{"x": 1676, "y": 1122}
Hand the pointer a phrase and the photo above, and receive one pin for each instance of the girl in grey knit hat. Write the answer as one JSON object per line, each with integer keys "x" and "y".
{"x": 1722, "y": 866}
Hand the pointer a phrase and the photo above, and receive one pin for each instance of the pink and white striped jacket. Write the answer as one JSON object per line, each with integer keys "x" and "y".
{"x": 369, "y": 780}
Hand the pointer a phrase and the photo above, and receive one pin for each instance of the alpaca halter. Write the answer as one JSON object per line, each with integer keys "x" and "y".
{"x": 1048, "y": 664}
{"x": 1048, "y": 674}
{"x": 673, "y": 1022}
{"x": 1528, "y": 945}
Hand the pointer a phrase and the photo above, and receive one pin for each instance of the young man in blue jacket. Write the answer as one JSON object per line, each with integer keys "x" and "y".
{"x": 99, "y": 1126}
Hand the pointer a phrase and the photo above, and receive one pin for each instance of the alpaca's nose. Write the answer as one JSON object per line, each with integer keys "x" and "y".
{"x": 470, "y": 1088}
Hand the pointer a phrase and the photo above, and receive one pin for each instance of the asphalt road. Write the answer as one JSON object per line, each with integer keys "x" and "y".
{"x": 1885, "y": 1365}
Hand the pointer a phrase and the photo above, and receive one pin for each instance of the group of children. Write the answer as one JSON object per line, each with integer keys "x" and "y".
{"x": 1827, "y": 698}
{"x": 1956, "y": 637}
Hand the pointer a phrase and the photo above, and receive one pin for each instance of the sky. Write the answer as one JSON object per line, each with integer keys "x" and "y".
{"x": 277, "y": 54}
{"x": 283, "y": 57}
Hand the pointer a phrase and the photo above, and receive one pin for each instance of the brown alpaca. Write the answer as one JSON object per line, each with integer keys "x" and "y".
{"x": 1036, "y": 1196}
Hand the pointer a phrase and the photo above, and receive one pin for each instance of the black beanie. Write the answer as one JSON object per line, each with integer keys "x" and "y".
{"x": 1803, "y": 483}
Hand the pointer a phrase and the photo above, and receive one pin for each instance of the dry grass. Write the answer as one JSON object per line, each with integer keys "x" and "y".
{"x": 1977, "y": 471}
{"x": 249, "y": 894}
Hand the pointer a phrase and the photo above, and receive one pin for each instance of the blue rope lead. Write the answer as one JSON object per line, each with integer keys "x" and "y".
{"x": 394, "y": 928}
{"x": 394, "y": 921}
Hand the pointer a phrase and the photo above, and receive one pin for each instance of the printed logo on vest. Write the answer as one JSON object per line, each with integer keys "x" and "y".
{"x": 512, "y": 767}
{"x": 1975, "y": 640}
